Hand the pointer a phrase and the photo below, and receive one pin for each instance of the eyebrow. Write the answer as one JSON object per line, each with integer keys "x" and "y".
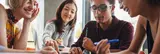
{"x": 68, "y": 7}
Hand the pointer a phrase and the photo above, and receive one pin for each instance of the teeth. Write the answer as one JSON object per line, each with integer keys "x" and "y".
{"x": 126, "y": 9}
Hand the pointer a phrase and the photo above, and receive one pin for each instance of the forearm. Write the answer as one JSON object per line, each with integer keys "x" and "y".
{"x": 156, "y": 46}
{"x": 21, "y": 42}
{"x": 124, "y": 52}
{"x": 115, "y": 50}
{"x": 19, "y": 51}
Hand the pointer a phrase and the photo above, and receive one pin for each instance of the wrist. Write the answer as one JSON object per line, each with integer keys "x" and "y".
{"x": 94, "y": 49}
{"x": 27, "y": 22}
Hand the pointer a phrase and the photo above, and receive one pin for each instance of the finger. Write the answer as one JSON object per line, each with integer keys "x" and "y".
{"x": 84, "y": 38}
{"x": 79, "y": 50}
{"x": 103, "y": 45}
{"x": 56, "y": 46}
{"x": 76, "y": 50}
{"x": 59, "y": 43}
{"x": 71, "y": 50}
{"x": 36, "y": 11}
{"x": 83, "y": 44}
{"x": 47, "y": 43}
{"x": 50, "y": 43}
{"x": 141, "y": 52}
{"x": 97, "y": 52}
{"x": 100, "y": 45}
{"x": 106, "y": 49}
{"x": 36, "y": 4}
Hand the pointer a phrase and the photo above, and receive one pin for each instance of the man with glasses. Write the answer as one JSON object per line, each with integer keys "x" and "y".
{"x": 106, "y": 26}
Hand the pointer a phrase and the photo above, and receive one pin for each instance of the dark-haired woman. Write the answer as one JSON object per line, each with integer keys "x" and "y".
{"x": 60, "y": 30}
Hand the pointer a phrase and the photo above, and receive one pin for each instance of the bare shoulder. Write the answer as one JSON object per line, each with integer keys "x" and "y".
{"x": 2, "y": 8}
{"x": 3, "y": 13}
{"x": 142, "y": 21}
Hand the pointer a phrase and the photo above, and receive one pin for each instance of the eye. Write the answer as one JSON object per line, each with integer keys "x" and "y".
{"x": 102, "y": 7}
{"x": 72, "y": 12}
{"x": 29, "y": 1}
{"x": 94, "y": 7}
{"x": 66, "y": 9}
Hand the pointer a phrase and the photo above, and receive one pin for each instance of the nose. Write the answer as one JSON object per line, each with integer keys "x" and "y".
{"x": 69, "y": 13}
{"x": 97, "y": 11}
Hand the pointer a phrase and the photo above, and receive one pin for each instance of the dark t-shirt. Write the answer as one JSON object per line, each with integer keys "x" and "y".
{"x": 119, "y": 29}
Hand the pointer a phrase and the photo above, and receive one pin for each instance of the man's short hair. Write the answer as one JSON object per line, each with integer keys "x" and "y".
{"x": 112, "y": 2}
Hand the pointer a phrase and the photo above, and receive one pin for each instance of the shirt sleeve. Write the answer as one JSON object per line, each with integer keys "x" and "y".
{"x": 126, "y": 36}
{"x": 71, "y": 38}
{"x": 48, "y": 31}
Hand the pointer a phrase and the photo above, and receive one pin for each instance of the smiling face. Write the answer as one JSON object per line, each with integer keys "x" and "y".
{"x": 133, "y": 7}
{"x": 26, "y": 9}
{"x": 68, "y": 12}
{"x": 102, "y": 10}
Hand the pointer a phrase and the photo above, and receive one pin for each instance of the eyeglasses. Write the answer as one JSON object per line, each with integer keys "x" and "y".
{"x": 101, "y": 7}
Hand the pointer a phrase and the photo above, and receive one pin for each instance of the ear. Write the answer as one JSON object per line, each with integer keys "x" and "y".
{"x": 112, "y": 8}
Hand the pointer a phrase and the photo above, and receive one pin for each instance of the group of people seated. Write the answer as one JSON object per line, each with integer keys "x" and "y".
{"x": 106, "y": 35}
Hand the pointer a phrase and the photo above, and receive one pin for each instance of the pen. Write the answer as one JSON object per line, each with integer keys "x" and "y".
{"x": 109, "y": 41}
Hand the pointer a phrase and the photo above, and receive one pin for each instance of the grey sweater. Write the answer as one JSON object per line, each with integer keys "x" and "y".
{"x": 51, "y": 33}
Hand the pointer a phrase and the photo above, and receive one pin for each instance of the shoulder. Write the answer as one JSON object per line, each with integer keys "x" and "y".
{"x": 119, "y": 22}
{"x": 52, "y": 23}
{"x": 124, "y": 23}
{"x": 51, "y": 20}
{"x": 91, "y": 23}
{"x": 50, "y": 26}
{"x": 2, "y": 9}
{"x": 142, "y": 21}
{"x": 3, "y": 13}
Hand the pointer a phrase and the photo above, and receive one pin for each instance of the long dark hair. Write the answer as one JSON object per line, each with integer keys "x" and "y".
{"x": 154, "y": 2}
{"x": 59, "y": 21}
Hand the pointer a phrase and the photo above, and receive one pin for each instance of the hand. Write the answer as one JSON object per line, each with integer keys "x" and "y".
{"x": 59, "y": 41}
{"x": 48, "y": 50}
{"x": 141, "y": 52}
{"x": 88, "y": 44}
{"x": 103, "y": 48}
{"x": 76, "y": 50}
{"x": 52, "y": 43}
{"x": 35, "y": 13}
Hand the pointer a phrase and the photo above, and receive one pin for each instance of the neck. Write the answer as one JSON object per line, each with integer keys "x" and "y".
{"x": 105, "y": 25}
{"x": 65, "y": 23}
{"x": 16, "y": 15}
